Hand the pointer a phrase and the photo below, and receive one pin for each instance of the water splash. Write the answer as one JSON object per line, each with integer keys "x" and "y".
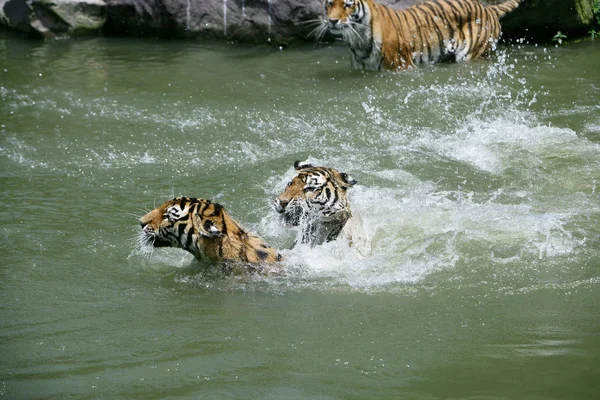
{"x": 224, "y": 17}
{"x": 270, "y": 9}
{"x": 373, "y": 112}
{"x": 187, "y": 16}
{"x": 147, "y": 159}
{"x": 402, "y": 236}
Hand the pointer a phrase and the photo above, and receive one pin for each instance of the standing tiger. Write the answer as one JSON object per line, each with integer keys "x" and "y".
{"x": 436, "y": 30}
{"x": 316, "y": 199}
{"x": 204, "y": 229}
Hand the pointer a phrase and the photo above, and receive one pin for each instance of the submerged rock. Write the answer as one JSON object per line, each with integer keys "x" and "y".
{"x": 251, "y": 21}
{"x": 52, "y": 18}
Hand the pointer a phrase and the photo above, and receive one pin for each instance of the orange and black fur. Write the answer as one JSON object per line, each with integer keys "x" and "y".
{"x": 316, "y": 200}
{"x": 436, "y": 30}
{"x": 204, "y": 229}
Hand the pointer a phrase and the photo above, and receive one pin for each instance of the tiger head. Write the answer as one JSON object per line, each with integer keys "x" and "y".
{"x": 317, "y": 200}
{"x": 204, "y": 229}
{"x": 344, "y": 16}
{"x": 180, "y": 222}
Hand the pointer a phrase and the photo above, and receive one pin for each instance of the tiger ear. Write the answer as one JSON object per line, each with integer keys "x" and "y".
{"x": 301, "y": 165}
{"x": 348, "y": 179}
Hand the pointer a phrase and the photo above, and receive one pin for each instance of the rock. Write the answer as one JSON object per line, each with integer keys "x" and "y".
{"x": 254, "y": 21}
{"x": 52, "y": 18}
{"x": 285, "y": 21}
{"x": 250, "y": 21}
{"x": 138, "y": 17}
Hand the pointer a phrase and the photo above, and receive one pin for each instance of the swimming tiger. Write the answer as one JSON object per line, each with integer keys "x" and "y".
{"x": 436, "y": 30}
{"x": 316, "y": 199}
{"x": 204, "y": 229}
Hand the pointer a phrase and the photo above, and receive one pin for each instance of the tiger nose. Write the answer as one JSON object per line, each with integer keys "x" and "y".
{"x": 333, "y": 21}
{"x": 280, "y": 205}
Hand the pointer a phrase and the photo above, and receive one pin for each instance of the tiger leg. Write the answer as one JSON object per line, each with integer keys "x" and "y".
{"x": 488, "y": 32}
{"x": 465, "y": 47}
{"x": 486, "y": 43}
{"x": 396, "y": 58}
{"x": 476, "y": 41}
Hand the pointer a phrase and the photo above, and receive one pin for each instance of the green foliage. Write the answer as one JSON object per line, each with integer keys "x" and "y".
{"x": 595, "y": 31}
{"x": 596, "y": 10}
{"x": 559, "y": 37}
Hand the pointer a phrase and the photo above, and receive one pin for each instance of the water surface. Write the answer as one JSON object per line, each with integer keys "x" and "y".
{"x": 471, "y": 268}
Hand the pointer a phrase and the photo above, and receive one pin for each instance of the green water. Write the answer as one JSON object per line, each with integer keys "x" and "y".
{"x": 471, "y": 268}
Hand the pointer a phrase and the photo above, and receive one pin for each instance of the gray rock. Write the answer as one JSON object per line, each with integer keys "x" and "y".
{"x": 285, "y": 21}
{"x": 251, "y": 21}
{"x": 258, "y": 21}
{"x": 254, "y": 21}
{"x": 52, "y": 18}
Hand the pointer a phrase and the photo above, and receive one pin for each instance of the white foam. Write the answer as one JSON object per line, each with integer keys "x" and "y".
{"x": 403, "y": 235}
{"x": 147, "y": 159}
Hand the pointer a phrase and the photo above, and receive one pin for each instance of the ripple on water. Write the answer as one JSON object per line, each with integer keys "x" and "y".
{"x": 403, "y": 233}
{"x": 417, "y": 211}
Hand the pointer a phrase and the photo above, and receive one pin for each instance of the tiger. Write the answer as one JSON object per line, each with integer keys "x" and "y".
{"x": 204, "y": 229}
{"x": 316, "y": 199}
{"x": 434, "y": 31}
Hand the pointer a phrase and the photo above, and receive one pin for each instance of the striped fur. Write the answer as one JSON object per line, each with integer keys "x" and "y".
{"x": 204, "y": 229}
{"x": 436, "y": 30}
{"x": 316, "y": 199}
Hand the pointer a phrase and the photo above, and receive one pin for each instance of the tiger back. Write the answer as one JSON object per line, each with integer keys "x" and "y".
{"x": 436, "y": 30}
{"x": 204, "y": 229}
{"x": 316, "y": 200}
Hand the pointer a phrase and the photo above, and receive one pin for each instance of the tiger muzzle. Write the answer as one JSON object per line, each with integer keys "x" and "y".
{"x": 280, "y": 205}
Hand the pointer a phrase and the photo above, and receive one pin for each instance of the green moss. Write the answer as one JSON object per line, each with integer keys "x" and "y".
{"x": 584, "y": 9}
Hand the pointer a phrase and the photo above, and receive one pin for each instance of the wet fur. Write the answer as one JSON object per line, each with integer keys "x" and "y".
{"x": 316, "y": 199}
{"x": 204, "y": 229}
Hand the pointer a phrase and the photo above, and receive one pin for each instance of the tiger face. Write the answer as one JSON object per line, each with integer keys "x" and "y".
{"x": 343, "y": 16}
{"x": 317, "y": 200}
{"x": 204, "y": 229}
{"x": 182, "y": 222}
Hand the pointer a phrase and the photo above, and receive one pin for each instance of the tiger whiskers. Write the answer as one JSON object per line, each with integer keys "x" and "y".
{"x": 146, "y": 252}
{"x": 142, "y": 243}
{"x": 315, "y": 21}
{"x": 351, "y": 33}
{"x": 319, "y": 30}
{"x": 143, "y": 246}
{"x": 136, "y": 216}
